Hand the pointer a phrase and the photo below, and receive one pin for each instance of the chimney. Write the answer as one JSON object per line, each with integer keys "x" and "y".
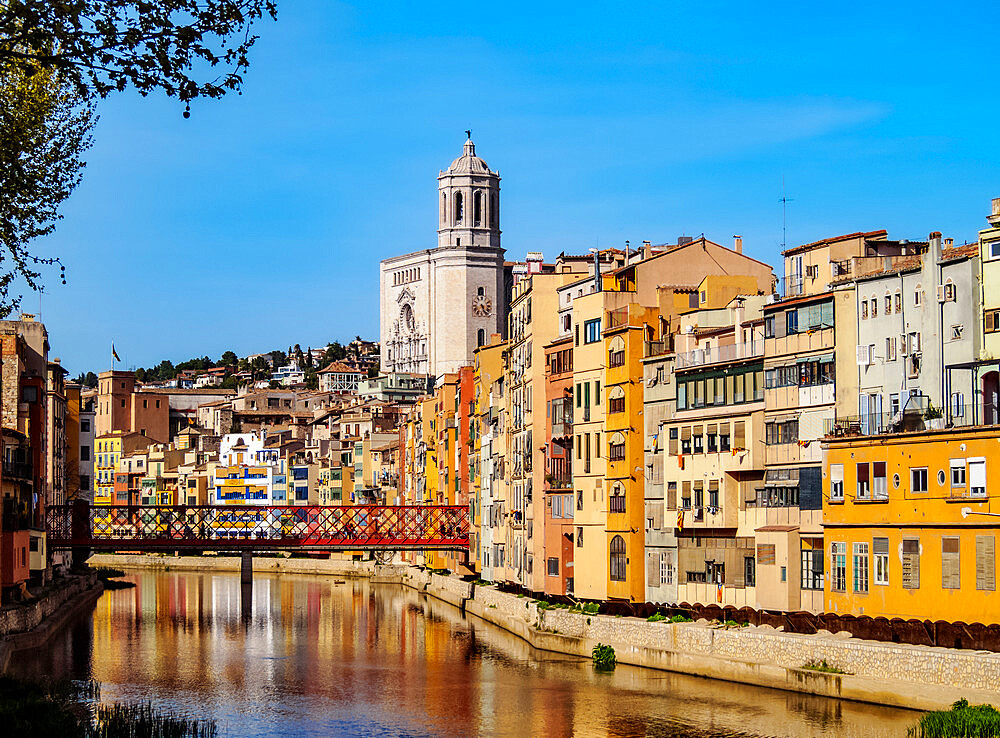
{"x": 647, "y": 249}
{"x": 949, "y": 242}
{"x": 994, "y": 218}
{"x": 738, "y": 244}
{"x": 934, "y": 246}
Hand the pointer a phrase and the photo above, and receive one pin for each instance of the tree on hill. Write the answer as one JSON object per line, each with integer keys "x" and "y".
{"x": 87, "y": 380}
{"x": 228, "y": 359}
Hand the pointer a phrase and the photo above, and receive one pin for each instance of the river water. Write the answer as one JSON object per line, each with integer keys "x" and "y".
{"x": 318, "y": 657}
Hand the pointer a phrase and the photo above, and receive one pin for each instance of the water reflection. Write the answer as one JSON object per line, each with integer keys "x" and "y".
{"x": 316, "y": 658}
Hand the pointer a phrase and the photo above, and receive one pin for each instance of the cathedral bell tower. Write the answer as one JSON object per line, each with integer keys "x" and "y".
{"x": 469, "y": 202}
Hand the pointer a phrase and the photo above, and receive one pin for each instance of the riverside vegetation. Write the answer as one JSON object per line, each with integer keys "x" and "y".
{"x": 73, "y": 710}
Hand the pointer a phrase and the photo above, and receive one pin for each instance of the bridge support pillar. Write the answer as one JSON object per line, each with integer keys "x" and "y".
{"x": 246, "y": 567}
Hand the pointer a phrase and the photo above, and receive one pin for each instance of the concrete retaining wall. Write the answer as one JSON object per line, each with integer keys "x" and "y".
{"x": 24, "y": 617}
{"x": 914, "y": 677}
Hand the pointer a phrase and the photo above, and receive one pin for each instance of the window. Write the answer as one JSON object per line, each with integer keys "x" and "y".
{"x": 977, "y": 477}
{"x": 957, "y": 404}
{"x": 911, "y": 563}
{"x": 888, "y": 304}
{"x": 85, "y": 453}
{"x": 616, "y": 503}
{"x": 985, "y": 563}
{"x": 792, "y": 322}
{"x": 874, "y": 304}
{"x": 879, "y": 489}
{"x": 838, "y": 567}
{"x": 749, "y": 571}
{"x": 553, "y": 566}
{"x": 956, "y": 332}
{"x": 861, "y": 568}
{"x": 864, "y": 483}
{"x": 950, "y": 573}
{"x": 579, "y": 533}
{"x": 617, "y": 559}
{"x": 769, "y": 326}
{"x": 836, "y": 482}
{"x": 898, "y": 301}
{"x": 666, "y": 569}
{"x": 918, "y": 479}
{"x": 699, "y": 444}
{"x": 85, "y": 425}
{"x": 957, "y": 473}
{"x": 880, "y": 556}
{"x": 812, "y": 563}
{"x": 864, "y": 309}
{"x": 918, "y": 296}
{"x": 890, "y": 348}
{"x": 992, "y": 321}
{"x": 592, "y": 331}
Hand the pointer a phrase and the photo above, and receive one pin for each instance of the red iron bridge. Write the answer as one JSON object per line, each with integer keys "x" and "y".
{"x": 249, "y": 528}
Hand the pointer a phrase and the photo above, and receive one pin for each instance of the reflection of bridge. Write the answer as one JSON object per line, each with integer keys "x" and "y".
{"x": 251, "y": 528}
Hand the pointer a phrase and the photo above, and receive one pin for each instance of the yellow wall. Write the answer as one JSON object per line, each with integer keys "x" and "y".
{"x": 925, "y": 516}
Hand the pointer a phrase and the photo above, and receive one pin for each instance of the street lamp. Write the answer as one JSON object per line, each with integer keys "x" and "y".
{"x": 967, "y": 511}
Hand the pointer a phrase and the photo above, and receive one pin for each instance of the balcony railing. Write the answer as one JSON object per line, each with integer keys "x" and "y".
{"x": 792, "y": 286}
{"x": 617, "y": 318}
{"x": 17, "y": 470}
{"x": 659, "y": 348}
{"x": 880, "y": 424}
{"x": 719, "y": 354}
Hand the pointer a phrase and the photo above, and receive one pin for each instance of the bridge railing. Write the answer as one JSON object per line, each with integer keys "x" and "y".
{"x": 257, "y": 527}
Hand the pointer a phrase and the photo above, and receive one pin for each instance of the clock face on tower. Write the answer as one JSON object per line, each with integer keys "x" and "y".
{"x": 482, "y": 306}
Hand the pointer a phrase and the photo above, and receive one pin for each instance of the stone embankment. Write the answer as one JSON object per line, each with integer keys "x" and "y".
{"x": 915, "y": 677}
{"x": 261, "y": 564}
{"x": 31, "y": 624}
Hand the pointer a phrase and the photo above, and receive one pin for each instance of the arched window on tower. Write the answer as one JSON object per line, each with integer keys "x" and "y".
{"x": 617, "y": 559}
{"x": 477, "y": 209}
{"x": 494, "y": 211}
{"x": 481, "y": 291}
{"x": 444, "y": 208}
{"x": 459, "y": 208}
{"x": 481, "y": 337}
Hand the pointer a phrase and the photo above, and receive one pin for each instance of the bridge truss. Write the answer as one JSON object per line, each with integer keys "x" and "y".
{"x": 258, "y": 528}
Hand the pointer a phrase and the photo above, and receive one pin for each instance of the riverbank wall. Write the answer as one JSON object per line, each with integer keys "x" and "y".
{"x": 905, "y": 676}
{"x": 261, "y": 565}
{"x": 31, "y": 624}
{"x": 912, "y": 677}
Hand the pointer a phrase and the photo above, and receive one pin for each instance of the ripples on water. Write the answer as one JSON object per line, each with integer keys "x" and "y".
{"x": 317, "y": 658}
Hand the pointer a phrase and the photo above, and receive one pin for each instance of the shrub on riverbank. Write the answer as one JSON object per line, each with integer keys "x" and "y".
{"x": 821, "y": 665}
{"x": 963, "y": 719}
{"x": 604, "y": 657}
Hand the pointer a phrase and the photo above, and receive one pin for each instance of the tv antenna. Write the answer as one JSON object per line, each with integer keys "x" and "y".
{"x": 784, "y": 200}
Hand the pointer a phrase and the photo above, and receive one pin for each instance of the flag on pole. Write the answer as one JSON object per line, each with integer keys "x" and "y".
{"x": 115, "y": 353}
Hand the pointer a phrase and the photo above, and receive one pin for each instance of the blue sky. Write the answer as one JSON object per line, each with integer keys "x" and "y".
{"x": 259, "y": 222}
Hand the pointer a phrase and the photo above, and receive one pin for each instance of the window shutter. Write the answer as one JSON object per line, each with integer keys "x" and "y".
{"x": 911, "y": 563}
{"x": 672, "y": 446}
{"x": 686, "y": 433}
{"x": 950, "y": 573}
{"x": 672, "y": 496}
{"x": 985, "y": 563}
{"x": 652, "y": 568}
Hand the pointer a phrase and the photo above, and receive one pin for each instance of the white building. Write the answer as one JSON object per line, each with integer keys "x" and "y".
{"x": 438, "y": 305}
{"x": 245, "y": 474}
{"x": 339, "y": 377}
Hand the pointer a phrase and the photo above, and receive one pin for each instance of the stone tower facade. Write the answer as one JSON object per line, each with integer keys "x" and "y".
{"x": 438, "y": 305}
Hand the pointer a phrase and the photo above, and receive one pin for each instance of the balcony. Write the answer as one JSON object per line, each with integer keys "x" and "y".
{"x": 617, "y": 318}
{"x": 17, "y": 470}
{"x": 880, "y": 424}
{"x": 792, "y": 286}
{"x": 659, "y": 348}
{"x": 720, "y": 354}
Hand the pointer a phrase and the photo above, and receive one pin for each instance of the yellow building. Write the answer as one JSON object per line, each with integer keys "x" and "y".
{"x": 910, "y": 526}
{"x": 108, "y": 450}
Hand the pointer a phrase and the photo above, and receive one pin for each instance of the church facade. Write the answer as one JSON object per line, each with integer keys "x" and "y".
{"x": 438, "y": 305}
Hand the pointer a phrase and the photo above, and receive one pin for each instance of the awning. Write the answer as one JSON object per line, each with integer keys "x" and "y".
{"x": 822, "y": 359}
{"x": 776, "y": 529}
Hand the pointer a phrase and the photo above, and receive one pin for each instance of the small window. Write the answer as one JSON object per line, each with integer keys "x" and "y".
{"x": 918, "y": 479}
{"x": 836, "y": 482}
{"x": 956, "y": 332}
{"x": 957, "y": 472}
{"x": 880, "y": 556}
